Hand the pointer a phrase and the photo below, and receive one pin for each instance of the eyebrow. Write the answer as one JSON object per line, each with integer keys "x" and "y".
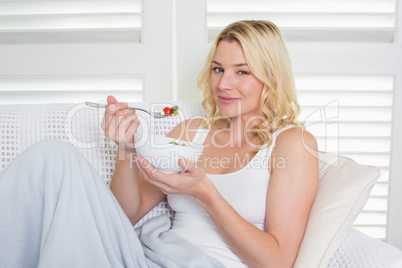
{"x": 235, "y": 65}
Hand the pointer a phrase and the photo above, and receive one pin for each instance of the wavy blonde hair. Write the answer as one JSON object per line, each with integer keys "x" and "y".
{"x": 268, "y": 59}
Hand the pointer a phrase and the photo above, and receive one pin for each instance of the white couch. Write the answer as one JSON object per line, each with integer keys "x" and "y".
{"x": 344, "y": 185}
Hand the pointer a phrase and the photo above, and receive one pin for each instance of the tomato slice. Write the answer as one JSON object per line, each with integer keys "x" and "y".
{"x": 168, "y": 110}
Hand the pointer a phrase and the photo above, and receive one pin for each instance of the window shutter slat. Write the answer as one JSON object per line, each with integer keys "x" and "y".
{"x": 302, "y": 6}
{"x": 69, "y": 88}
{"x": 312, "y": 21}
{"x": 70, "y": 21}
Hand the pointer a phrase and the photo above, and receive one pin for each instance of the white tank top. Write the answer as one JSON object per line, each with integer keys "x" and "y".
{"x": 245, "y": 190}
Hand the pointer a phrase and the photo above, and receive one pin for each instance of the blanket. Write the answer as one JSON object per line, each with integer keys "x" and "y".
{"x": 55, "y": 211}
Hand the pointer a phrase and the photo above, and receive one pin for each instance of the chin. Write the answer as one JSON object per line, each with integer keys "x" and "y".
{"x": 226, "y": 113}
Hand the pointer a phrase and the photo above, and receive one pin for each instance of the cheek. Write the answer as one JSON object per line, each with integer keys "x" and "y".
{"x": 252, "y": 88}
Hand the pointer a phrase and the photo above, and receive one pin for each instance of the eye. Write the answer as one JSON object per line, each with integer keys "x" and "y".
{"x": 217, "y": 70}
{"x": 243, "y": 73}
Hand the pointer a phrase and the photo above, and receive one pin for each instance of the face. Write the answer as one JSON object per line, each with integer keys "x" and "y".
{"x": 236, "y": 90}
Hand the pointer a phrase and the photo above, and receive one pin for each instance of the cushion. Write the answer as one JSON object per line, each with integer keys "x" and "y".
{"x": 343, "y": 190}
{"x": 360, "y": 250}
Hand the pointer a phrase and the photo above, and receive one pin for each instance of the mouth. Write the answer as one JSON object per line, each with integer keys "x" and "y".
{"x": 227, "y": 100}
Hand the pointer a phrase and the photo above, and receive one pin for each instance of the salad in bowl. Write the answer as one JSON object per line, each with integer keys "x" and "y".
{"x": 164, "y": 152}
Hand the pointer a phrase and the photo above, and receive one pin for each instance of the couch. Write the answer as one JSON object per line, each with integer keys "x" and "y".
{"x": 344, "y": 185}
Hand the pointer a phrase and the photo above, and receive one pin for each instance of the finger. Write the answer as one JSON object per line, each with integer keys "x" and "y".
{"x": 115, "y": 107}
{"x": 110, "y": 112}
{"x": 132, "y": 127}
{"x": 186, "y": 165}
{"x": 146, "y": 166}
{"x": 150, "y": 179}
{"x": 140, "y": 168}
{"x": 121, "y": 115}
{"x": 109, "y": 125}
{"x": 151, "y": 175}
{"x": 111, "y": 100}
{"x": 113, "y": 119}
{"x": 128, "y": 126}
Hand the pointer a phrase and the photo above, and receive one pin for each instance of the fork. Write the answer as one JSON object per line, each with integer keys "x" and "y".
{"x": 154, "y": 114}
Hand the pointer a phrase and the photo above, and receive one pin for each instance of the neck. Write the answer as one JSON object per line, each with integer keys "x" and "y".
{"x": 241, "y": 130}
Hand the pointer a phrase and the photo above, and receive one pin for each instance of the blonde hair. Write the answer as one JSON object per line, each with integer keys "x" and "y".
{"x": 268, "y": 59}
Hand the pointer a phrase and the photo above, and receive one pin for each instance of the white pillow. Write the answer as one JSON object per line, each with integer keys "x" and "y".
{"x": 343, "y": 190}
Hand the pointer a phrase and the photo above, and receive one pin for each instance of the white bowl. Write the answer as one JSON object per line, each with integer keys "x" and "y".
{"x": 163, "y": 155}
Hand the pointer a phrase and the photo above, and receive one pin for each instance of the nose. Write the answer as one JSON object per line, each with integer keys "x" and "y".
{"x": 226, "y": 81}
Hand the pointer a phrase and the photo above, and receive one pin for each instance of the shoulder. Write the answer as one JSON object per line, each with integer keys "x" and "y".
{"x": 296, "y": 137}
{"x": 186, "y": 129}
{"x": 296, "y": 145}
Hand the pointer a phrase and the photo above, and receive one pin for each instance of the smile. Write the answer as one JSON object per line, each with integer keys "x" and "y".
{"x": 227, "y": 100}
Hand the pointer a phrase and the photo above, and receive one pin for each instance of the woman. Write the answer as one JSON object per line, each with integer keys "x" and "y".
{"x": 244, "y": 203}
{"x": 249, "y": 89}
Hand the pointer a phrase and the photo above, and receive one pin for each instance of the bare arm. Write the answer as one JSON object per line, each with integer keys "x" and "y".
{"x": 135, "y": 196}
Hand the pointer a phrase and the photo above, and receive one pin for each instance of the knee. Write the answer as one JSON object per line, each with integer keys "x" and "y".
{"x": 52, "y": 148}
{"x": 51, "y": 144}
{"x": 41, "y": 159}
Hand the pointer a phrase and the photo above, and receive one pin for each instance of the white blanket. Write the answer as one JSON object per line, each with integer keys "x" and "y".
{"x": 57, "y": 212}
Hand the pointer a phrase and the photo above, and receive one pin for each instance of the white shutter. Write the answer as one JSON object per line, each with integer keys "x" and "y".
{"x": 76, "y": 51}
{"x": 351, "y": 115}
{"x": 311, "y": 20}
{"x": 30, "y": 23}
{"x": 70, "y": 21}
